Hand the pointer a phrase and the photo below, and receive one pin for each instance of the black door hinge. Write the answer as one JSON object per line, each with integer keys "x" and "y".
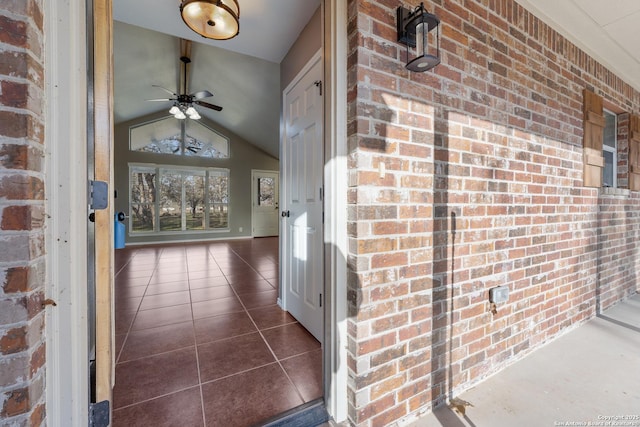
{"x": 98, "y": 195}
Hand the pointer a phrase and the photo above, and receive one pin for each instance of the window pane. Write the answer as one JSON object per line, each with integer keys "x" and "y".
{"x": 142, "y": 217}
{"x": 143, "y": 188}
{"x": 170, "y": 200}
{"x": 218, "y": 188}
{"x": 266, "y": 192}
{"x": 160, "y": 136}
{"x": 607, "y": 174}
{"x": 218, "y": 216}
{"x": 610, "y": 130}
{"x": 194, "y": 201}
{"x": 202, "y": 141}
{"x": 164, "y": 136}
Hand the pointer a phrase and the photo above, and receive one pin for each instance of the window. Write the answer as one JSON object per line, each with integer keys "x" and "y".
{"x": 165, "y": 199}
{"x": 609, "y": 150}
{"x": 178, "y": 138}
{"x": 266, "y": 191}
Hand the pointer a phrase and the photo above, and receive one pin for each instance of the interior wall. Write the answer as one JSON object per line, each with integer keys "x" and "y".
{"x": 243, "y": 158}
{"x": 306, "y": 45}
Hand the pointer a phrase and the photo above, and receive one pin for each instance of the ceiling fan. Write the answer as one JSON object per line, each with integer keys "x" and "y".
{"x": 183, "y": 102}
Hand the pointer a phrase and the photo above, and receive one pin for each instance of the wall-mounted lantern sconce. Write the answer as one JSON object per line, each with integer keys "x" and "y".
{"x": 414, "y": 29}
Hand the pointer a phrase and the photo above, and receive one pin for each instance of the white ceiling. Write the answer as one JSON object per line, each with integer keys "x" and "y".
{"x": 267, "y": 27}
{"x": 243, "y": 73}
{"x": 606, "y": 30}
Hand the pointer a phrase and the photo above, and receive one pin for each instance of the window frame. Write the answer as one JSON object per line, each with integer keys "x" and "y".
{"x": 612, "y": 150}
{"x": 182, "y": 170}
{"x": 182, "y": 139}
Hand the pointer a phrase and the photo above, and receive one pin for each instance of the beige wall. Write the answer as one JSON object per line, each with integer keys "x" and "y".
{"x": 243, "y": 158}
{"x": 307, "y": 44}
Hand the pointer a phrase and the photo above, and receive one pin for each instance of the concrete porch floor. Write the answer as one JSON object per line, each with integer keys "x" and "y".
{"x": 590, "y": 374}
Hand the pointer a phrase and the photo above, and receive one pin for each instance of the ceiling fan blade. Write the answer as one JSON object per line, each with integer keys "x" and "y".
{"x": 160, "y": 99}
{"x": 207, "y": 105}
{"x": 165, "y": 89}
{"x": 201, "y": 94}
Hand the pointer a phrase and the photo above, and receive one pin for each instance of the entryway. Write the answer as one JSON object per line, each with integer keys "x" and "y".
{"x": 200, "y": 340}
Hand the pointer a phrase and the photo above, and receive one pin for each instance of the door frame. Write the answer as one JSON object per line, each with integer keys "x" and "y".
{"x": 334, "y": 45}
{"x": 67, "y": 372}
{"x": 65, "y": 136}
{"x": 254, "y": 193}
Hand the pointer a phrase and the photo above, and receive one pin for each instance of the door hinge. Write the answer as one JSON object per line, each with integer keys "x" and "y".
{"x": 98, "y": 194}
{"x": 318, "y": 84}
{"x": 321, "y": 195}
{"x": 320, "y": 300}
{"x": 99, "y": 414}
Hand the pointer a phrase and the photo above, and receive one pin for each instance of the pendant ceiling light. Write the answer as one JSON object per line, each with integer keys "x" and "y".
{"x": 213, "y": 19}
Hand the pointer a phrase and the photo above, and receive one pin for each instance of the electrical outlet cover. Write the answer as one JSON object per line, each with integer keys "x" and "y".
{"x": 499, "y": 294}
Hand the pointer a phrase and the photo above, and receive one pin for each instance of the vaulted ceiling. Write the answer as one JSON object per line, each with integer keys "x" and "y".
{"x": 243, "y": 73}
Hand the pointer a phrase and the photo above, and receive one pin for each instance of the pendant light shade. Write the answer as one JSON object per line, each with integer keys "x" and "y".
{"x": 213, "y": 19}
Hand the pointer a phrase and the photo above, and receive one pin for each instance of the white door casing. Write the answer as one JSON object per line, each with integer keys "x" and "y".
{"x": 265, "y": 213}
{"x": 301, "y": 202}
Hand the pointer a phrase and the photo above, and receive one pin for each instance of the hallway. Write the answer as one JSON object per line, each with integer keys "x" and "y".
{"x": 200, "y": 340}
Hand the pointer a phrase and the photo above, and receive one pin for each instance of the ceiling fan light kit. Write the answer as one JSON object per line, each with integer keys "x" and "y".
{"x": 183, "y": 102}
{"x": 212, "y": 19}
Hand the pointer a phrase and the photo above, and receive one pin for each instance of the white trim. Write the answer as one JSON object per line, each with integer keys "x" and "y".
{"x": 335, "y": 227}
{"x": 171, "y": 242}
{"x": 310, "y": 64}
{"x": 67, "y": 379}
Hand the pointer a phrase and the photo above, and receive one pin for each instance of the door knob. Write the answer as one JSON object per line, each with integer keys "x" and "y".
{"x": 285, "y": 214}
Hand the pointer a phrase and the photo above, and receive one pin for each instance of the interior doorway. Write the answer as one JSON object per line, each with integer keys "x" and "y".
{"x": 67, "y": 341}
{"x": 209, "y": 310}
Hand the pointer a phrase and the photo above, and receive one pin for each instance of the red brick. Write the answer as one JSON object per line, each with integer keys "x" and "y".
{"x": 14, "y": 94}
{"x": 16, "y": 403}
{"x": 16, "y": 280}
{"x": 13, "y": 341}
{"x": 13, "y": 32}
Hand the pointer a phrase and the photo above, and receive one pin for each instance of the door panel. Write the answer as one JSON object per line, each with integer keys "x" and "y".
{"x": 302, "y": 167}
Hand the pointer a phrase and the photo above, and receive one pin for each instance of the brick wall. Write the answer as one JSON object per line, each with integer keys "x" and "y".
{"x": 481, "y": 186}
{"x": 22, "y": 344}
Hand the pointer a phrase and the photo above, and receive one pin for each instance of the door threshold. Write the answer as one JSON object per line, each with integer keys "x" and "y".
{"x": 310, "y": 414}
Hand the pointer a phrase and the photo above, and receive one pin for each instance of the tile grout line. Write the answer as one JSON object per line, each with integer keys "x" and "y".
{"x": 195, "y": 341}
{"x": 126, "y": 334}
{"x": 266, "y": 342}
{"x": 156, "y": 397}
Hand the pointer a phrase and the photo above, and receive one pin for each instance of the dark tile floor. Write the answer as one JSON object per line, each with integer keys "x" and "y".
{"x": 200, "y": 340}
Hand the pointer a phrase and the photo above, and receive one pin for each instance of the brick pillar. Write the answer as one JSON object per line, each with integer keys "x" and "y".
{"x": 22, "y": 248}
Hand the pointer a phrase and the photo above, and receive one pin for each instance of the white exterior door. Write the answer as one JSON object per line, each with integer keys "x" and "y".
{"x": 302, "y": 165}
{"x": 264, "y": 203}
